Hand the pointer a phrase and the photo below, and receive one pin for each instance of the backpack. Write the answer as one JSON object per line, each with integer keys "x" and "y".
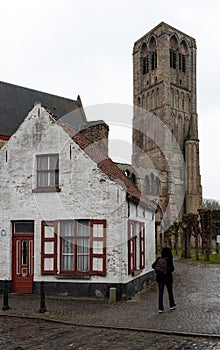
{"x": 161, "y": 266}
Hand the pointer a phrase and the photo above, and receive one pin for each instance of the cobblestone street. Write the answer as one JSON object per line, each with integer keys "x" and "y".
{"x": 131, "y": 324}
{"x": 18, "y": 334}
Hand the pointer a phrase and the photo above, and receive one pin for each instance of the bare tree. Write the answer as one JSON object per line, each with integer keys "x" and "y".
{"x": 195, "y": 231}
{"x": 186, "y": 236}
{"x": 216, "y": 226}
{"x": 206, "y": 231}
{"x": 211, "y": 204}
{"x": 172, "y": 231}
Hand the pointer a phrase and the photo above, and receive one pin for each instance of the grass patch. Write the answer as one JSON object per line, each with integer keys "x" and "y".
{"x": 213, "y": 258}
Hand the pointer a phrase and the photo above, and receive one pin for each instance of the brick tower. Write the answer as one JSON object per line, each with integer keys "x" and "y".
{"x": 165, "y": 125}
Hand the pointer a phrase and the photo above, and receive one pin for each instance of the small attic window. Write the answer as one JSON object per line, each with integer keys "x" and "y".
{"x": 48, "y": 172}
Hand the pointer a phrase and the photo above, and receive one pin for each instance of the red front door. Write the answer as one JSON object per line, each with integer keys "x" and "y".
{"x": 22, "y": 262}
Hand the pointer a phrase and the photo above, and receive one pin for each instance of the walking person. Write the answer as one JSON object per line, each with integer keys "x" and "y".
{"x": 165, "y": 278}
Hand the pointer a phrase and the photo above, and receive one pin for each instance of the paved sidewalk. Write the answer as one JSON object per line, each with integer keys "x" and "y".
{"x": 196, "y": 290}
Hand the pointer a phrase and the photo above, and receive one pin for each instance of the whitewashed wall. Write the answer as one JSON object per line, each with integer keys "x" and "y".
{"x": 86, "y": 193}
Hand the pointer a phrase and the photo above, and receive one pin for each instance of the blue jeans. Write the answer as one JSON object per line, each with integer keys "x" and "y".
{"x": 169, "y": 286}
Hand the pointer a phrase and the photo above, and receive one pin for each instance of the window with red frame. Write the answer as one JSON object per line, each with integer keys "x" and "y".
{"x": 49, "y": 247}
{"x": 47, "y": 171}
{"x": 83, "y": 247}
{"x": 136, "y": 246}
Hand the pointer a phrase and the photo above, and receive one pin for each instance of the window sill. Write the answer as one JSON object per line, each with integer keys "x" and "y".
{"x": 72, "y": 277}
{"x": 46, "y": 190}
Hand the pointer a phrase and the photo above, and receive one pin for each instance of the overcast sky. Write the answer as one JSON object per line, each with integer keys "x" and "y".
{"x": 84, "y": 47}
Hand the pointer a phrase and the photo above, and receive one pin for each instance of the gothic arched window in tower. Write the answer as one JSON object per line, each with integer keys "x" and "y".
{"x": 144, "y": 59}
{"x": 182, "y": 57}
{"x": 153, "y": 50}
{"x": 183, "y": 50}
{"x": 173, "y": 52}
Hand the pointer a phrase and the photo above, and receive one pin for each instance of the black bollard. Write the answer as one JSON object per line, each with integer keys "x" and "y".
{"x": 42, "y": 298}
{"x": 5, "y": 295}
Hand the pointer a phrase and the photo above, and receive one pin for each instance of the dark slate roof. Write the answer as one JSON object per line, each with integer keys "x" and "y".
{"x": 107, "y": 166}
{"x": 16, "y": 102}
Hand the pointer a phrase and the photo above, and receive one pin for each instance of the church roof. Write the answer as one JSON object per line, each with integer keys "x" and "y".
{"x": 17, "y": 101}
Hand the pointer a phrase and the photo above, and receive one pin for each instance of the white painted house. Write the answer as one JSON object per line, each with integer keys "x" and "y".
{"x": 69, "y": 216}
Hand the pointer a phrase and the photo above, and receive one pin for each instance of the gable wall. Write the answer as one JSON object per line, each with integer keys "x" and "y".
{"x": 86, "y": 193}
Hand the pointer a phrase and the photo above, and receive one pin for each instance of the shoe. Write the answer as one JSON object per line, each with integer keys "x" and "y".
{"x": 173, "y": 307}
{"x": 161, "y": 311}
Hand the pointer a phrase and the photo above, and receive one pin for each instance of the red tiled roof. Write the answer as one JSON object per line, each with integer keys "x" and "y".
{"x": 106, "y": 165}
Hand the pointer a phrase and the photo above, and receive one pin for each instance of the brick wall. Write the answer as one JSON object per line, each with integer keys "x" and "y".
{"x": 171, "y": 98}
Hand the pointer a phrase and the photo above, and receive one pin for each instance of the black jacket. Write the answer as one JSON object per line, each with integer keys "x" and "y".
{"x": 170, "y": 268}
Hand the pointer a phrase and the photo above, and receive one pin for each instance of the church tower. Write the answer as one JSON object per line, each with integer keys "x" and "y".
{"x": 165, "y": 124}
